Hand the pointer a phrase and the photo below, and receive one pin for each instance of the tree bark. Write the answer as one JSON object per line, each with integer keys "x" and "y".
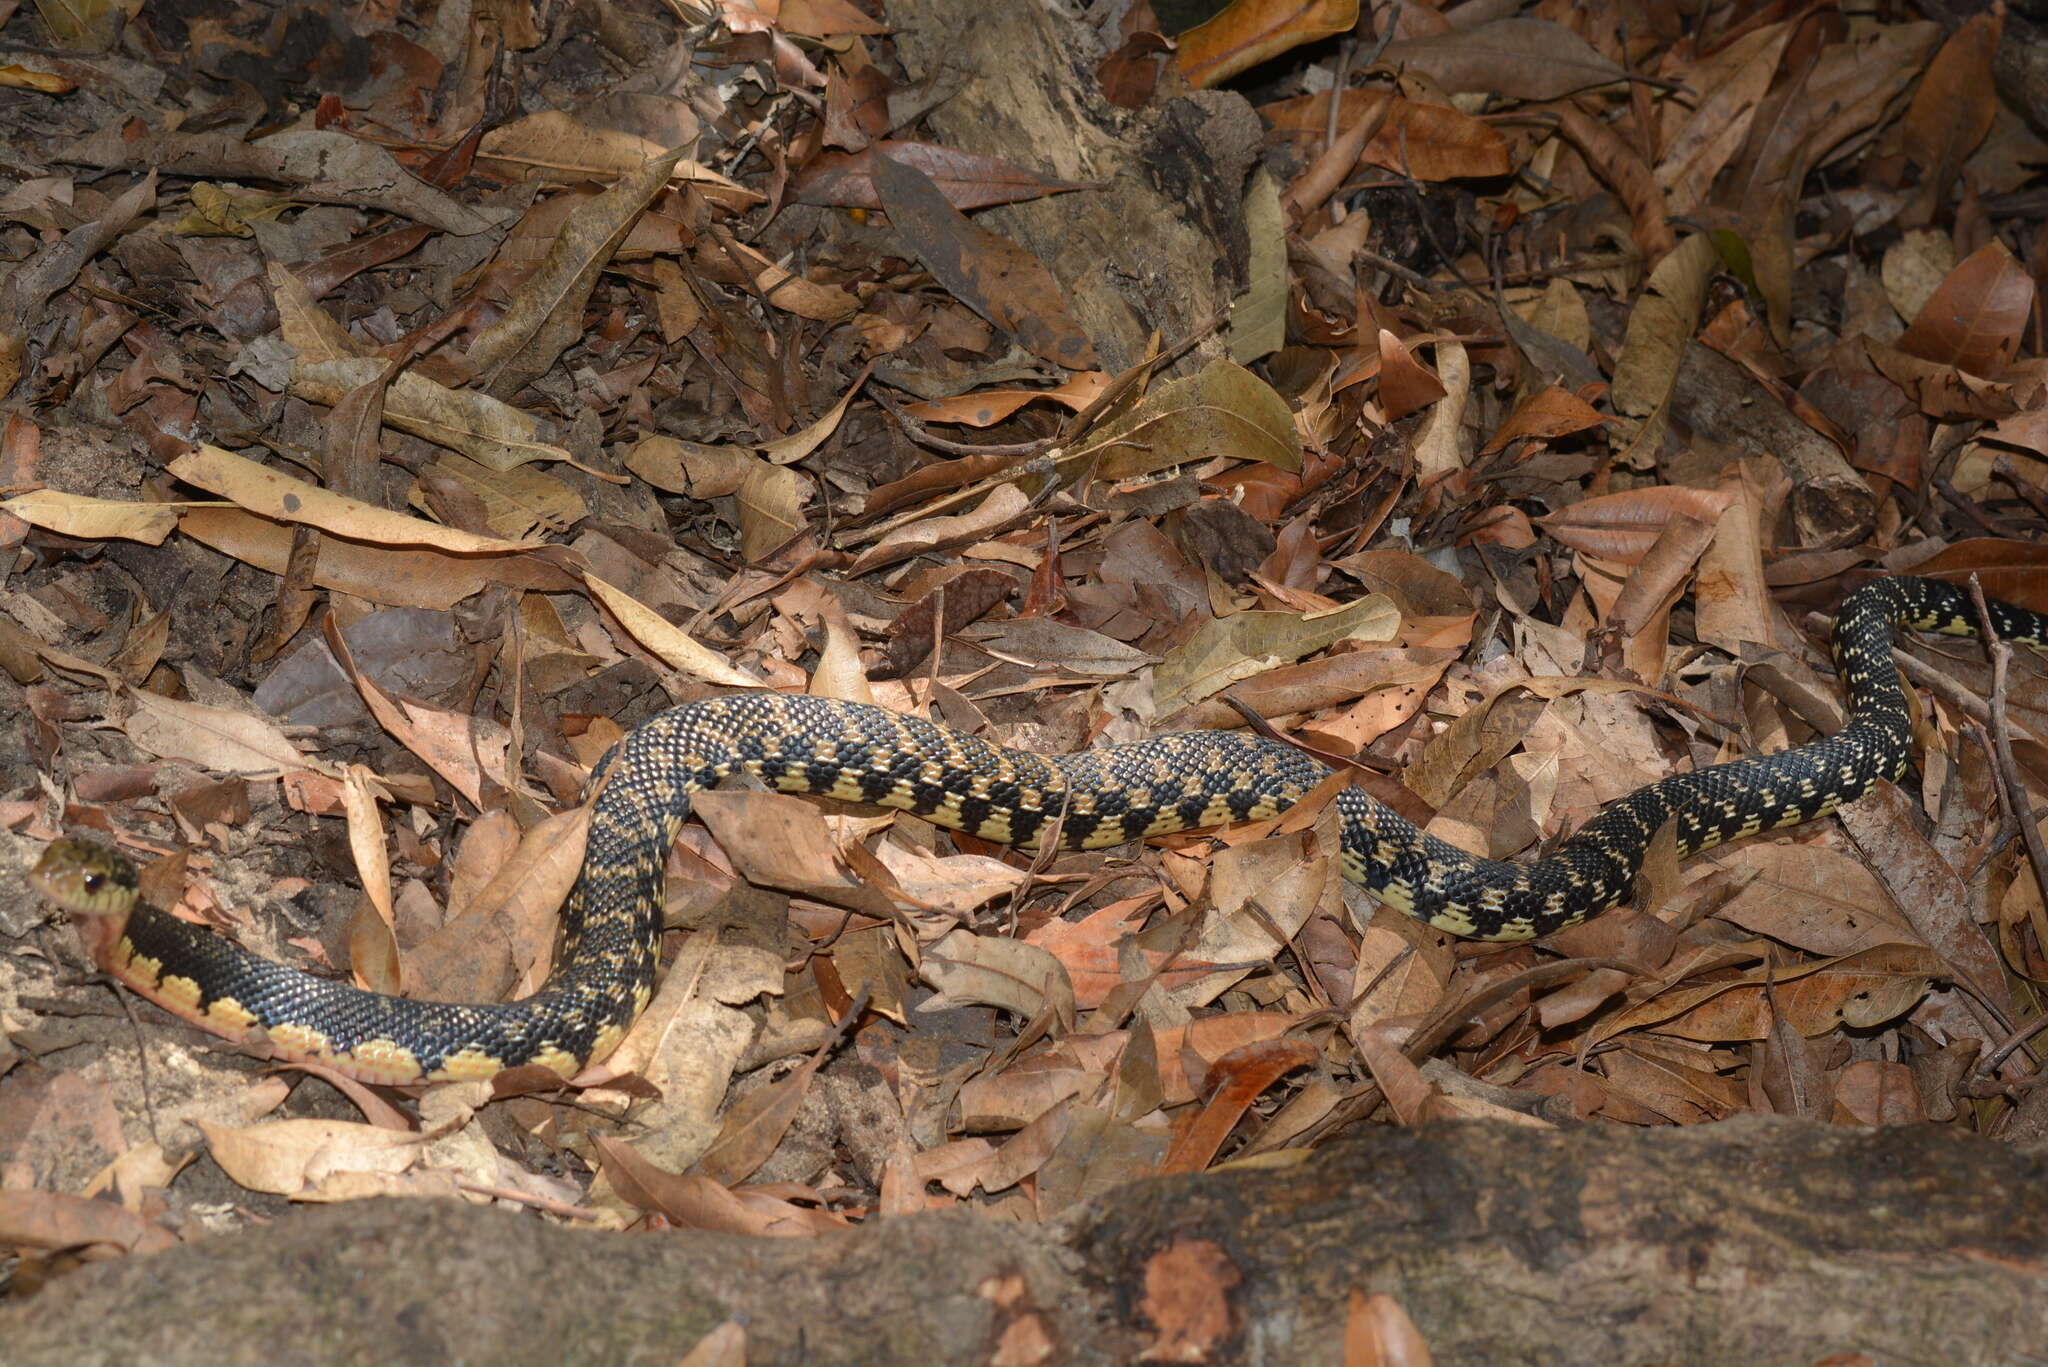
{"x": 1162, "y": 245}
{"x": 1751, "y": 1242}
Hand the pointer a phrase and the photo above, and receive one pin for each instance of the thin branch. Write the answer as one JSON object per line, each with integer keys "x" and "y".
{"x": 1999, "y": 743}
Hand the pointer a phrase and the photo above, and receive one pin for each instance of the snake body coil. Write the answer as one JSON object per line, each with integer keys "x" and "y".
{"x": 612, "y": 922}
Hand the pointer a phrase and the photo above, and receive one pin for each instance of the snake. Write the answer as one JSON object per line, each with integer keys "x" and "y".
{"x": 611, "y": 923}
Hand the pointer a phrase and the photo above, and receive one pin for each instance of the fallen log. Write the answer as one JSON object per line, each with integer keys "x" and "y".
{"x": 1755, "y": 1241}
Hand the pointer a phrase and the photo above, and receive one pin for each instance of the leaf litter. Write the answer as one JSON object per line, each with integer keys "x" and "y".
{"x": 370, "y": 475}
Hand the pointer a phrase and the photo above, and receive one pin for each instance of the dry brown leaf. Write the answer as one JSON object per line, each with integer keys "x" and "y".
{"x": 700, "y": 1203}
{"x": 990, "y": 274}
{"x": 1953, "y": 395}
{"x": 487, "y": 430}
{"x": 303, "y": 1159}
{"x": 547, "y": 313}
{"x": 1731, "y": 83}
{"x": 220, "y": 740}
{"x": 1659, "y": 327}
{"x": 323, "y": 165}
{"x": 94, "y": 519}
{"x": 674, "y": 646}
{"x": 1235, "y": 1081}
{"x": 27, "y": 288}
{"x": 1622, "y": 167}
{"x": 1553, "y": 412}
{"x": 1815, "y": 898}
{"x": 1247, "y": 32}
{"x": 1187, "y": 1051}
{"x": 497, "y": 944}
{"x": 1098, "y": 1153}
{"x": 1245, "y": 644}
{"x": 1426, "y": 141}
{"x": 969, "y": 969}
{"x": 280, "y": 498}
{"x": 1956, "y": 102}
{"x": 1866, "y": 989}
{"x": 1406, "y": 385}
{"x": 1974, "y": 318}
{"x": 1527, "y": 59}
{"x": 52, "y": 1220}
{"x": 1878, "y": 1092}
{"x": 420, "y": 579}
{"x": 1221, "y": 408}
{"x": 846, "y": 179}
{"x": 1623, "y": 527}
{"x": 1003, "y": 506}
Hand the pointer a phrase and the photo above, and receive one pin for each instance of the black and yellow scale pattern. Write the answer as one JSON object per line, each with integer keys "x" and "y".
{"x": 857, "y": 753}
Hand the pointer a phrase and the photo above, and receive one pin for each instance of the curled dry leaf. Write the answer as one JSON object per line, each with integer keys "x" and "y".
{"x": 1623, "y": 527}
{"x": 1659, "y": 327}
{"x": 1247, "y": 32}
{"x": 1004, "y": 505}
{"x": 1406, "y": 385}
{"x": 1552, "y": 412}
{"x": 674, "y": 646}
{"x": 487, "y": 430}
{"x": 1957, "y": 100}
{"x": 310, "y": 1160}
{"x": 547, "y": 313}
{"x": 1863, "y": 990}
{"x": 1023, "y": 978}
{"x": 1427, "y": 141}
{"x": 414, "y": 579}
{"x": 53, "y": 1220}
{"x": 322, "y": 165}
{"x": 1234, "y": 1082}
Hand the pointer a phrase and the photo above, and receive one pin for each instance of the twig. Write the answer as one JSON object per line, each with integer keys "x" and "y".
{"x": 1345, "y": 51}
{"x": 915, "y": 430}
{"x": 1401, "y": 272}
{"x": 1990, "y": 1062}
{"x": 1927, "y": 676}
{"x": 2034, "y": 494}
{"x": 1967, "y": 508}
{"x": 141, "y": 1049}
{"x": 1451, "y": 1017}
{"x": 546, "y": 1203}
{"x": 2010, "y": 786}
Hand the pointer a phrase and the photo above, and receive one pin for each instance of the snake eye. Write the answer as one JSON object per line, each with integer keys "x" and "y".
{"x": 95, "y": 881}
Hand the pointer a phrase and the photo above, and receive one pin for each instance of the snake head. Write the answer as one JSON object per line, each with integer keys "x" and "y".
{"x": 86, "y": 879}
{"x": 98, "y": 887}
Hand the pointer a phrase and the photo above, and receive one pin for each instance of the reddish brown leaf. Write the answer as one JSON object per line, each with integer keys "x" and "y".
{"x": 1406, "y": 385}
{"x": 1975, "y": 318}
{"x": 1243, "y": 1075}
{"x": 1426, "y": 141}
{"x": 1553, "y": 412}
{"x": 1248, "y": 32}
{"x": 846, "y": 180}
{"x": 1957, "y": 100}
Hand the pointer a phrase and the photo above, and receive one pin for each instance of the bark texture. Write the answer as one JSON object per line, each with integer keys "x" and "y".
{"x": 1750, "y": 1242}
{"x": 1162, "y": 244}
